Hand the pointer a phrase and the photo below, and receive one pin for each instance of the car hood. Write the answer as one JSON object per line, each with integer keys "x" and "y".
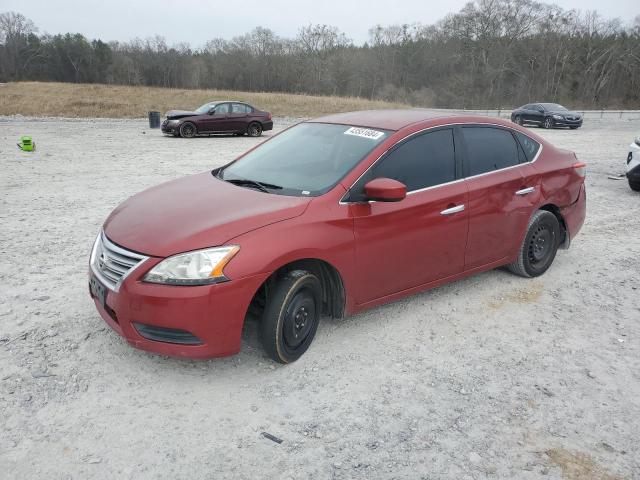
{"x": 195, "y": 212}
{"x": 175, "y": 114}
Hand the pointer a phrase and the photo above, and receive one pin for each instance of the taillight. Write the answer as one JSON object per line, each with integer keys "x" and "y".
{"x": 269, "y": 116}
{"x": 580, "y": 168}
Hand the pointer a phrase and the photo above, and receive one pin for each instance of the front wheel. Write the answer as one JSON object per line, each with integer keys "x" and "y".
{"x": 635, "y": 186}
{"x": 518, "y": 119}
{"x": 548, "y": 123}
{"x": 291, "y": 316}
{"x": 540, "y": 245}
{"x": 188, "y": 130}
{"x": 254, "y": 129}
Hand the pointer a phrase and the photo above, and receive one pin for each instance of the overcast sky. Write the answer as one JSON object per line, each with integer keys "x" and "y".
{"x": 196, "y": 21}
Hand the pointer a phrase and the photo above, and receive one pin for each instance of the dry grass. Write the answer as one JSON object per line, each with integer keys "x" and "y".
{"x": 112, "y": 101}
{"x": 578, "y": 466}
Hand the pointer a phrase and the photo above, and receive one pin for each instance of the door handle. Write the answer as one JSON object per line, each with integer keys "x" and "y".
{"x": 526, "y": 191}
{"x": 452, "y": 210}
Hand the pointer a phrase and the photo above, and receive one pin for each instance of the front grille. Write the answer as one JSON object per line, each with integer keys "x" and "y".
{"x": 167, "y": 335}
{"x": 112, "y": 263}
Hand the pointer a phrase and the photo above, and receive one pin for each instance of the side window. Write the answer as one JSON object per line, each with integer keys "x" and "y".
{"x": 222, "y": 109}
{"x": 529, "y": 146}
{"x": 489, "y": 149}
{"x": 421, "y": 162}
{"x": 239, "y": 108}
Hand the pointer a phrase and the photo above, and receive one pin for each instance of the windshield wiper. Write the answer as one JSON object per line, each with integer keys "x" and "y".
{"x": 263, "y": 187}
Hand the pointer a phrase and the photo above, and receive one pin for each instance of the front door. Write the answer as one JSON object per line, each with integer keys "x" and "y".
{"x": 422, "y": 238}
{"x": 218, "y": 119}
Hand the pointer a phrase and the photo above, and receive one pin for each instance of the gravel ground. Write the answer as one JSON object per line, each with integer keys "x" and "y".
{"x": 494, "y": 376}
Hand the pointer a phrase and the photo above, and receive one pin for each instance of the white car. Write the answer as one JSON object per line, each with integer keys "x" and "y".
{"x": 633, "y": 165}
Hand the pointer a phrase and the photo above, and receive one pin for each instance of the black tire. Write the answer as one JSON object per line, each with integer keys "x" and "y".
{"x": 291, "y": 316}
{"x": 573, "y": 128}
{"x": 188, "y": 130}
{"x": 539, "y": 247}
{"x": 518, "y": 120}
{"x": 548, "y": 123}
{"x": 635, "y": 186}
{"x": 254, "y": 129}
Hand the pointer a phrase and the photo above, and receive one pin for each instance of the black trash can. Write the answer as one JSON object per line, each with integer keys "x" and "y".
{"x": 154, "y": 119}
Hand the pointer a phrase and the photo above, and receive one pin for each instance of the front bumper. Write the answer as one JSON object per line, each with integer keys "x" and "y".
{"x": 192, "y": 322}
{"x": 169, "y": 129}
{"x": 633, "y": 163}
{"x": 567, "y": 123}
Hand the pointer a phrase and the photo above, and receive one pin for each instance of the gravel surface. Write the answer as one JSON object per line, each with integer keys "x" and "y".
{"x": 494, "y": 376}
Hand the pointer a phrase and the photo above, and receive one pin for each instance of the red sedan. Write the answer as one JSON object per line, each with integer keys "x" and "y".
{"x": 331, "y": 217}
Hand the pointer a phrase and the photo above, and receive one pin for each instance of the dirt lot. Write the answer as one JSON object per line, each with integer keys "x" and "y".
{"x": 491, "y": 377}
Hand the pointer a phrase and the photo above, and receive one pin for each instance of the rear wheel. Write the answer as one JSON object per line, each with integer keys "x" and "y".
{"x": 548, "y": 123}
{"x": 540, "y": 245}
{"x": 635, "y": 186}
{"x": 188, "y": 130}
{"x": 291, "y": 316}
{"x": 254, "y": 129}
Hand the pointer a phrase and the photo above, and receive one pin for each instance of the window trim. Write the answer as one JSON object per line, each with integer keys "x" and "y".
{"x": 344, "y": 199}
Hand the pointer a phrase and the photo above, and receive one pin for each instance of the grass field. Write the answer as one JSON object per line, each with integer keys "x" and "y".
{"x": 113, "y": 101}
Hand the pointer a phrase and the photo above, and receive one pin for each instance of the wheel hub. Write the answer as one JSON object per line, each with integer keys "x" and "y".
{"x": 540, "y": 245}
{"x": 299, "y": 319}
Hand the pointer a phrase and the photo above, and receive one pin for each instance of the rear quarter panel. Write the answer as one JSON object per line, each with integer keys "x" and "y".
{"x": 560, "y": 185}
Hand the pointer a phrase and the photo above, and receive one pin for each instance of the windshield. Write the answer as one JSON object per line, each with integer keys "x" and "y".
{"x": 554, "y": 107}
{"x": 205, "y": 108}
{"x": 308, "y": 159}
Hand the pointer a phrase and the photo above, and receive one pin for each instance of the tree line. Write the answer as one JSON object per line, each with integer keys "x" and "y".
{"x": 490, "y": 54}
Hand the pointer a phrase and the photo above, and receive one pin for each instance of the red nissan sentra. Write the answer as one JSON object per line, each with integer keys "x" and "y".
{"x": 331, "y": 217}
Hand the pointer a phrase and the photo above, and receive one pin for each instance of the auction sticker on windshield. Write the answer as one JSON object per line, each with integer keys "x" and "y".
{"x": 364, "y": 132}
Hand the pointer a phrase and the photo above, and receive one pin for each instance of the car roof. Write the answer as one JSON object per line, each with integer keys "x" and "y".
{"x": 398, "y": 119}
{"x": 383, "y": 119}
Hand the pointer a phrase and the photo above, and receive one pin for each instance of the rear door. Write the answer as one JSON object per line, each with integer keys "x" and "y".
{"x": 238, "y": 118}
{"x": 504, "y": 189}
{"x": 421, "y": 238}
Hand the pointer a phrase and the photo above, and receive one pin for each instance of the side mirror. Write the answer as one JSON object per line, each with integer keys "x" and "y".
{"x": 212, "y": 111}
{"x": 385, "y": 190}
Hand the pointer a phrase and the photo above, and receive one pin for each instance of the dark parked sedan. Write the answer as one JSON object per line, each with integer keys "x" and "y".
{"x": 218, "y": 117}
{"x": 546, "y": 115}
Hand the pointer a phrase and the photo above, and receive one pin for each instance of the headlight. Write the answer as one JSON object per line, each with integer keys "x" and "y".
{"x": 173, "y": 122}
{"x": 201, "y": 267}
{"x": 558, "y": 117}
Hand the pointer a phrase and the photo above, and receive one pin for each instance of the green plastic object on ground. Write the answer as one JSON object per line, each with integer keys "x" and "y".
{"x": 26, "y": 144}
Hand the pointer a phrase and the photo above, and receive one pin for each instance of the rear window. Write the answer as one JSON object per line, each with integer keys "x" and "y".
{"x": 489, "y": 149}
